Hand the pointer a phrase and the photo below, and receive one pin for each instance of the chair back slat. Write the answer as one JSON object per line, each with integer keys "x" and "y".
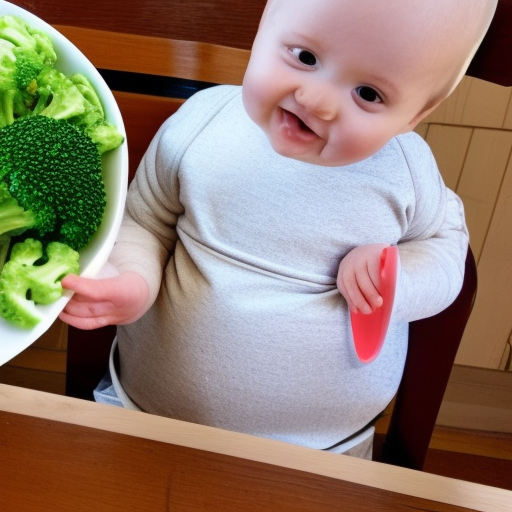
{"x": 157, "y": 56}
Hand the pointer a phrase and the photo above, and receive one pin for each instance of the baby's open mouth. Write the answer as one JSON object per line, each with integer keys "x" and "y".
{"x": 303, "y": 125}
{"x": 290, "y": 117}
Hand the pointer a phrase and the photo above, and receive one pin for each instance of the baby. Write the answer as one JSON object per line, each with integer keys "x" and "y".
{"x": 258, "y": 215}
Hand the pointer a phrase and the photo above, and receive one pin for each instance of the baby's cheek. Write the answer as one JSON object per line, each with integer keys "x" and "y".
{"x": 354, "y": 145}
{"x": 253, "y": 99}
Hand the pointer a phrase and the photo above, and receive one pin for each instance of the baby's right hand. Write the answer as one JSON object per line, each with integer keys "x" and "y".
{"x": 109, "y": 301}
{"x": 359, "y": 278}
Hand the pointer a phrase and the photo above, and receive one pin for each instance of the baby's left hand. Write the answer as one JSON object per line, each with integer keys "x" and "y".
{"x": 359, "y": 278}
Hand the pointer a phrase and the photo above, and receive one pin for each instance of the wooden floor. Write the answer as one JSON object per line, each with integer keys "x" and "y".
{"x": 475, "y": 456}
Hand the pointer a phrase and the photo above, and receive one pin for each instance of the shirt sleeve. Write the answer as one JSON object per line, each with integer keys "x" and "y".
{"x": 433, "y": 251}
{"x": 148, "y": 235}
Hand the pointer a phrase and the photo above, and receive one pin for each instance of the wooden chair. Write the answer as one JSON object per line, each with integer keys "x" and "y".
{"x": 151, "y": 77}
{"x": 492, "y": 60}
{"x": 433, "y": 344}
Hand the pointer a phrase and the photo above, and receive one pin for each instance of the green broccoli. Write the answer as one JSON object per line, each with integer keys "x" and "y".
{"x": 53, "y": 131}
{"x": 7, "y": 65}
{"x": 14, "y": 220}
{"x": 30, "y": 278}
{"x": 92, "y": 121}
{"x": 58, "y": 97}
{"x": 74, "y": 98}
{"x": 28, "y": 67}
{"x": 5, "y": 243}
{"x": 53, "y": 171}
{"x": 31, "y": 85}
{"x": 22, "y": 35}
{"x": 8, "y": 82}
{"x": 24, "y": 53}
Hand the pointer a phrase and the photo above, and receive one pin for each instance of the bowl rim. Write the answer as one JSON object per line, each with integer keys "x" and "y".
{"x": 70, "y": 59}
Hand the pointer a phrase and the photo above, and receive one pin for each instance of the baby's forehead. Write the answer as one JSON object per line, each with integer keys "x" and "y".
{"x": 437, "y": 15}
{"x": 436, "y": 27}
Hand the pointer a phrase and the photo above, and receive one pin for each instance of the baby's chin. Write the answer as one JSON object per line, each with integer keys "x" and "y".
{"x": 320, "y": 160}
{"x": 306, "y": 158}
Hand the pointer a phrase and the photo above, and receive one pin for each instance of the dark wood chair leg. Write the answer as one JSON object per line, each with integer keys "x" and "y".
{"x": 87, "y": 359}
{"x": 433, "y": 344}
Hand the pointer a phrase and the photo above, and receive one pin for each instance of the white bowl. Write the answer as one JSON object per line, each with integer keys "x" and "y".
{"x": 70, "y": 59}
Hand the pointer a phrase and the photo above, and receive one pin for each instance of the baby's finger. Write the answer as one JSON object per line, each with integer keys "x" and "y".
{"x": 93, "y": 289}
{"x": 82, "y": 307}
{"x": 76, "y": 283}
{"x": 366, "y": 298}
{"x": 370, "y": 288}
{"x": 352, "y": 292}
{"x": 83, "y": 322}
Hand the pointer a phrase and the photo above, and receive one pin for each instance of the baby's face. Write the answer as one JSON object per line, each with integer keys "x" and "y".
{"x": 330, "y": 82}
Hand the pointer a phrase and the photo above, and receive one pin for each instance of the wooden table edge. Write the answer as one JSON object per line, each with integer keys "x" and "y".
{"x": 381, "y": 476}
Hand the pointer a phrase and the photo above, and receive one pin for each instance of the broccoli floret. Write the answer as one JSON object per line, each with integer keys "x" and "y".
{"x": 28, "y": 66}
{"x": 8, "y": 84}
{"x": 15, "y": 30}
{"x": 24, "y": 282}
{"x": 53, "y": 170}
{"x": 92, "y": 121}
{"x": 30, "y": 85}
{"x": 95, "y": 112}
{"x": 74, "y": 98}
{"x": 7, "y": 99}
{"x": 58, "y": 97}
{"x": 14, "y": 220}
{"x": 22, "y": 35}
{"x": 7, "y": 65}
{"x": 5, "y": 242}
{"x": 24, "y": 53}
{"x": 105, "y": 135}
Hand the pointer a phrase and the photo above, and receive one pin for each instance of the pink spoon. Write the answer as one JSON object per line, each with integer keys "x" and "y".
{"x": 370, "y": 330}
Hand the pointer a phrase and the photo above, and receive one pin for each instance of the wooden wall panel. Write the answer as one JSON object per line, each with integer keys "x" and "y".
{"x": 507, "y": 124}
{"x": 490, "y": 325}
{"x": 451, "y": 145}
{"x": 483, "y": 109}
{"x": 471, "y": 137}
{"x": 481, "y": 179}
{"x": 422, "y": 129}
{"x": 474, "y": 103}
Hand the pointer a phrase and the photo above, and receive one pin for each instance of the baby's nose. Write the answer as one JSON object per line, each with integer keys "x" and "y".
{"x": 317, "y": 101}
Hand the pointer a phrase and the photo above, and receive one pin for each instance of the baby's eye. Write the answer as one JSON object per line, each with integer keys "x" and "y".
{"x": 368, "y": 94}
{"x": 305, "y": 57}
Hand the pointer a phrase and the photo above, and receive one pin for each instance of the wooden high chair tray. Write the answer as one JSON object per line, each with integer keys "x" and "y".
{"x": 61, "y": 454}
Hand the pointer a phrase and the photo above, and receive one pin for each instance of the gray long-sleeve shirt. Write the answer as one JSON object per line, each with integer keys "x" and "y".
{"x": 240, "y": 247}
